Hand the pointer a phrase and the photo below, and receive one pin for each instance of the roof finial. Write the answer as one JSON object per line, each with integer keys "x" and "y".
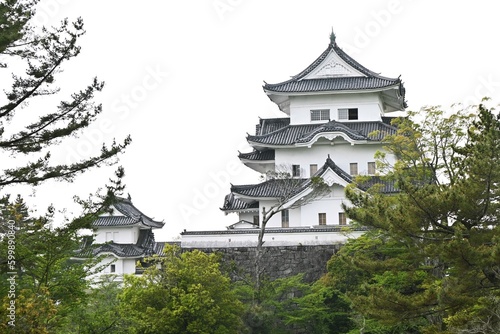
{"x": 332, "y": 38}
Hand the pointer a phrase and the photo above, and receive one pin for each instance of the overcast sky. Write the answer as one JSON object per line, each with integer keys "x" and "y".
{"x": 184, "y": 79}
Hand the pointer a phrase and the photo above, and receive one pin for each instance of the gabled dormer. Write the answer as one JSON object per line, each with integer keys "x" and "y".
{"x": 335, "y": 87}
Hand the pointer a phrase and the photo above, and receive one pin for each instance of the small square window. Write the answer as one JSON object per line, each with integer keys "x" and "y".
{"x": 354, "y": 168}
{"x": 320, "y": 115}
{"x": 322, "y": 218}
{"x": 295, "y": 170}
{"x": 342, "y": 218}
{"x": 348, "y": 113}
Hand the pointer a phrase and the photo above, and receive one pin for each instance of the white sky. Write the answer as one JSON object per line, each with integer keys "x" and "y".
{"x": 184, "y": 79}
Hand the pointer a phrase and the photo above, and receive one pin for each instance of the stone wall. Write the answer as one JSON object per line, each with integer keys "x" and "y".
{"x": 279, "y": 262}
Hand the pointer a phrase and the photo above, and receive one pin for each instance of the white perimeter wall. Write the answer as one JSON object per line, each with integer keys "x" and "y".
{"x": 270, "y": 239}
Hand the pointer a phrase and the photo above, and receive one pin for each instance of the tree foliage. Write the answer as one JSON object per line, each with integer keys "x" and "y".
{"x": 48, "y": 285}
{"x": 435, "y": 253}
{"x": 41, "y": 53}
{"x": 181, "y": 293}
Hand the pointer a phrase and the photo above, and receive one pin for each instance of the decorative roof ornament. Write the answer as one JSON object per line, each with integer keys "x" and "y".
{"x": 332, "y": 38}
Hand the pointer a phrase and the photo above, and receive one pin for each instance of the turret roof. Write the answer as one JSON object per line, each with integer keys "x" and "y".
{"x": 303, "y": 133}
{"x": 335, "y": 70}
{"x": 275, "y": 188}
{"x": 131, "y": 216}
{"x": 145, "y": 246}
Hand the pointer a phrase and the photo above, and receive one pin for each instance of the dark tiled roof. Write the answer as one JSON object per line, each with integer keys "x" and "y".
{"x": 371, "y": 80}
{"x": 264, "y": 155}
{"x": 323, "y": 229}
{"x": 332, "y": 126}
{"x": 330, "y": 84}
{"x": 145, "y": 246}
{"x": 387, "y": 187}
{"x": 114, "y": 221}
{"x": 268, "y": 125}
{"x": 231, "y": 203}
{"x": 120, "y": 250}
{"x": 287, "y": 188}
{"x": 131, "y": 213}
{"x": 368, "y": 128}
{"x": 339, "y": 171}
{"x": 302, "y": 133}
{"x": 387, "y": 120}
{"x": 275, "y": 188}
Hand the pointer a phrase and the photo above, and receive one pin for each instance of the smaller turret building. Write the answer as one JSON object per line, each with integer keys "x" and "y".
{"x": 123, "y": 238}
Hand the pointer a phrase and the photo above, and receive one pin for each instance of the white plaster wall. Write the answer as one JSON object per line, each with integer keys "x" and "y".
{"x": 120, "y": 235}
{"x": 341, "y": 154}
{"x": 129, "y": 266}
{"x": 275, "y": 221}
{"x": 329, "y": 205}
{"x": 307, "y": 215}
{"x": 248, "y": 216}
{"x": 368, "y": 104}
{"x": 270, "y": 239}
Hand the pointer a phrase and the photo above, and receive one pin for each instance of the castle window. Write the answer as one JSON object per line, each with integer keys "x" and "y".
{"x": 313, "y": 169}
{"x": 353, "y": 168}
{"x": 295, "y": 170}
{"x": 112, "y": 268}
{"x": 371, "y": 168}
{"x": 342, "y": 218}
{"x": 256, "y": 220}
{"x": 285, "y": 218}
{"x": 320, "y": 115}
{"x": 348, "y": 114}
{"x": 322, "y": 218}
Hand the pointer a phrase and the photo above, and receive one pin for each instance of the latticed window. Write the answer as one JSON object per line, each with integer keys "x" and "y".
{"x": 342, "y": 218}
{"x": 313, "y": 169}
{"x": 371, "y": 168}
{"x": 322, "y": 218}
{"x": 320, "y": 115}
{"x": 353, "y": 168}
{"x": 285, "y": 218}
{"x": 295, "y": 170}
{"x": 348, "y": 113}
{"x": 256, "y": 220}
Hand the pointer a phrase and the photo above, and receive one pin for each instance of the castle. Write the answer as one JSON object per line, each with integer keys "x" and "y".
{"x": 336, "y": 114}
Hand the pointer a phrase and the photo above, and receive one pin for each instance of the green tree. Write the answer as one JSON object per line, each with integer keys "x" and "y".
{"x": 40, "y": 55}
{"x": 290, "y": 305}
{"x": 46, "y": 276}
{"x": 99, "y": 313}
{"x": 181, "y": 293}
{"x": 437, "y": 253}
{"x": 49, "y": 285}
